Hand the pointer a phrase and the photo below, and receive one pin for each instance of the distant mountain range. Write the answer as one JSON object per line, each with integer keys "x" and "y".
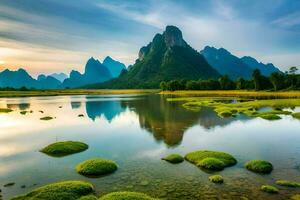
{"x": 95, "y": 72}
{"x": 227, "y": 64}
{"x": 166, "y": 57}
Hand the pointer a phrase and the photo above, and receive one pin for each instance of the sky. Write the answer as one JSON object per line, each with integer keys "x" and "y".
{"x": 46, "y": 36}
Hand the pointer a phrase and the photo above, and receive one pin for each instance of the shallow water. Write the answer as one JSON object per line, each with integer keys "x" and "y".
{"x": 137, "y": 131}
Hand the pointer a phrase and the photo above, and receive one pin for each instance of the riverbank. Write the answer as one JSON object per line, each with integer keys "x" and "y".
{"x": 232, "y": 93}
{"x": 34, "y": 93}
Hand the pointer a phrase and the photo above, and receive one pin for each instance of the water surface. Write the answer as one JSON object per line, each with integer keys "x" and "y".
{"x": 137, "y": 131}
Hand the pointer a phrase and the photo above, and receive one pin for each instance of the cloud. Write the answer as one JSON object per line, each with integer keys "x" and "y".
{"x": 288, "y": 21}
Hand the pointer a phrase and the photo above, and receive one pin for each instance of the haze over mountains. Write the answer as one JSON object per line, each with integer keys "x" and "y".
{"x": 166, "y": 57}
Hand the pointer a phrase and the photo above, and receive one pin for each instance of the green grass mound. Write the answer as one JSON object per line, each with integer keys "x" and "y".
{"x": 69, "y": 190}
{"x": 259, "y": 166}
{"x": 126, "y": 196}
{"x": 213, "y": 164}
{"x": 216, "y": 179}
{"x": 174, "y": 158}
{"x": 96, "y": 167}
{"x": 296, "y": 115}
{"x": 46, "y": 118}
{"x": 212, "y": 160}
{"x": 296, "y": 197}
{"x": 88, "y": 197}
{"x": 60, "y": 149}
{"x": 269, "y": 116}
{"x": 269, "y": 189}
{"x": 5, "y": 110}
{"x": 288, "y": 183}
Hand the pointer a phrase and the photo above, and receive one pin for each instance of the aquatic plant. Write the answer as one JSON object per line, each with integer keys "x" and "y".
{"x": 259, "y": 166}
{"x": 216, "y": 179}
{"x": 269, "y": 189}
{"x": 126, "y": 196}
{"x": 61, "y": 190}
{"x": 5, "y": 110}
{"x": 249, "y": 108}
{"x": 288, "y": 183}
{"x": 46, "y": 118}
{"x": 174, "y": 158}
{"x": 96, "y": 167}
{"x": 212, "y": 160}
{"x": 65, "y": 148}
{"x": 296, "y": 115}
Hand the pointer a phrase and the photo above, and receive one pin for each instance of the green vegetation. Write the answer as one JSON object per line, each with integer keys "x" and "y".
{"x": 5, "y": 110}
{"x": 216, "y": 179}
{"x": 31, "y": 93}
{"x": 296, "y": 115}
{"x": 60, "y": 149}
{"x": 126, "y": 196}
{"x": 23, "y": 112}
{"x": 269, "y": 189}
{"x": 276, "y": 81}
{"x": 211, "y": 160}
{"x": 88, "y": 197}
{"x": 295, "y": 197}
{"x": 96, "y": 167}
{"x": 47, "y": 118}
{"x": 259, "y": 166}
{"x": 211, "y": 164}
{"x": 288, "y": 183}
{"x": 63, "y": 190}
{"x": 174, "y": 158}
{"x": 249, "y": 108}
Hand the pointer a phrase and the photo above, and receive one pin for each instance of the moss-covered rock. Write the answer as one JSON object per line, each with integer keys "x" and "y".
{"x": 288, "y": 183}
{"x": 216, "y": 179}
{"x": 212, "y": 160}
{"x": 296, "y": 115}
{"x": 5, "y": 110}
{"x": 65, "y": 148}
{"x": 259, "y": 166}
{"x": 126, "y": 196}
{"x": 71, "y": 190}
{"x": 269, "y": 189}
{"x": 268, "y": 116}
{"x": 96, "y": 167}
{"x": 46, "y": 118}
{"x": 88, "y": 197}
{"x": 211, "y": 164}
{"x": 174, "y": 158}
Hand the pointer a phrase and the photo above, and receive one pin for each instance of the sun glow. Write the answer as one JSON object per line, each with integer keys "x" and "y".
{"x": 2, "y": 62}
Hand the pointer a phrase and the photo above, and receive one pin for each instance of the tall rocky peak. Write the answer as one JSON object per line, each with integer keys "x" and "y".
{"x": 173, "y": 37}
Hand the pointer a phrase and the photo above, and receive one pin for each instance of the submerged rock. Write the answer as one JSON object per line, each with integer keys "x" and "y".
{"x": 216, "y": 179}
{"x": 269, "y": 189}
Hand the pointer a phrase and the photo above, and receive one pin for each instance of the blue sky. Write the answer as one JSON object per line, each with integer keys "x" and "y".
{"x": 45, "y": 36}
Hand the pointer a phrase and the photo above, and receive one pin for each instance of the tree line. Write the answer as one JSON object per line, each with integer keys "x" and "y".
{"x": 289, "y": 80}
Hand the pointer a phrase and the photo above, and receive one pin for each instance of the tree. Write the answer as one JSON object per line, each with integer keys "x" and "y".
{"x": 226, "y": 83}
{"x": 293, "y": 70}
{"x": 277, "y": 80}
{"x": 256, "y": 76}
{"x": 240, "y": 84}
{"x": 163, "y": 85}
